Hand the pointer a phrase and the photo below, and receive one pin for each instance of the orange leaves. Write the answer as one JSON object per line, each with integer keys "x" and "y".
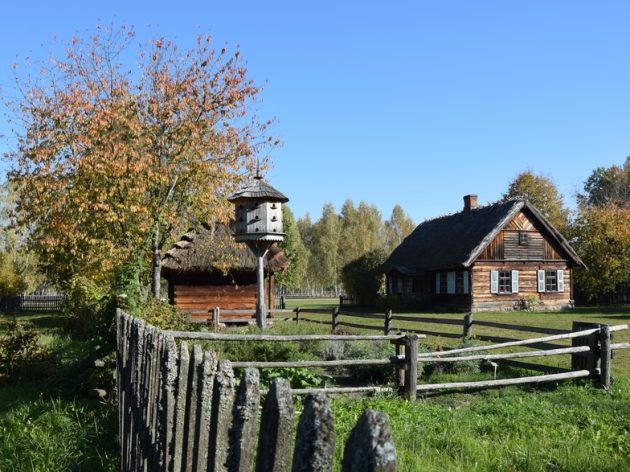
{"x": 108, "y": 162}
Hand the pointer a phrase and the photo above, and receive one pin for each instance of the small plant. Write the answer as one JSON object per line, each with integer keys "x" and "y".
{"x": 297, "y": 377}
{"x": 528, "y": 303}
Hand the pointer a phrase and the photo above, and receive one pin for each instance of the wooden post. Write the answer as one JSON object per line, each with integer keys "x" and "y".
{"x": 400, "y": 371}
{"x": 388, "y": 323}
{"x": 297, "y": 315}
{"x": 340, "y": 301}
{"x": 335, "y": 318}
{"x": 411, "y": 366}
{"x": 370, "y": 445}
{"x": 468, "y": 322}
{"x": 283, "y": 302}
{"x": 585, "y": 360}
{"x": 605, "y": 356}
{"x": 215, "y": 318}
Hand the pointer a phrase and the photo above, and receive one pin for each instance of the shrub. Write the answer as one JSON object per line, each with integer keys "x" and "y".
{"x": 163, "y": 316}
{"x": 84, "y": 305}
{"x": 528, "y": 303}
{"x": 363, "y": 278}
{"x": 19, "y": 346}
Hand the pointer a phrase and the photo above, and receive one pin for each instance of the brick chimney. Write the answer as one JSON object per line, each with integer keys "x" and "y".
{"x": 470, "y": 202}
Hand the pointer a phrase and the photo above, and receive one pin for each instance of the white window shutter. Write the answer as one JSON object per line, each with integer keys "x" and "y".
{"x": 515, "y": 281}
{"x": 450, "y": 282}
{"x": 466, "y": 287}
{"x": 494, "y": 281}
{"x": 541, "y": 280}
{"x": 560, "y": 281}
{"x": 437, "y": 282}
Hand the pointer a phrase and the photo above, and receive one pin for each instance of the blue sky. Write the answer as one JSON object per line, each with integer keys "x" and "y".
{"x": 409, "y": 102}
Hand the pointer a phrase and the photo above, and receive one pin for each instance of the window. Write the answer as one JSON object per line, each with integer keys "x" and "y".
{"x": 505, "y": 282}
{"x": 450, "y": 282}
{"x": 459, "y": 283}
{"x": 522, "y": 238}
{"x": 443, "y": 284}
{"x": 551, "y": 281}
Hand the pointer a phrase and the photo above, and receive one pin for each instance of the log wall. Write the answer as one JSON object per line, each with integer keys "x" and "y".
{"x": 483, "y": 299}
{"x": 195, "y": 293}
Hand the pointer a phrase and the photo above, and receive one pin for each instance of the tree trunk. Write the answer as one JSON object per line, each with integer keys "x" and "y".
{"x": 156, "y": 268}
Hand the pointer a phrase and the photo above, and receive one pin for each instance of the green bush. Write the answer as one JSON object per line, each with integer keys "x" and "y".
{"x": 84, "y": 305}
{"x": 163, "y": 316}
{"x": 363, "y": 278}
{"x": 18, "y": 347}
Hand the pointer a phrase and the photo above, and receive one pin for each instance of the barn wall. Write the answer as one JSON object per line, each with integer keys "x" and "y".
{"x": 483, "y": 299}
{"x": 199, "y": 293}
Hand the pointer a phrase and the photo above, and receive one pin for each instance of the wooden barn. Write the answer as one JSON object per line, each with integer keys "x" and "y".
{"x": 206, "y": 268}
{"x": 496, "y": 257}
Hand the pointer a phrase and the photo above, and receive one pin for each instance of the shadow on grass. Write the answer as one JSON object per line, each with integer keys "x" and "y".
{"x": 45, "y": 321}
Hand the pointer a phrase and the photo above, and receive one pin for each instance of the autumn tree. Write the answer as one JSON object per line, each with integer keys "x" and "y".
{"x": 607, "y": 186}
{"x": 113, "y": 160}
{"x": 542, "y": 192}
{"x": 397, "y": 227}
{"x": 602, "y": 239}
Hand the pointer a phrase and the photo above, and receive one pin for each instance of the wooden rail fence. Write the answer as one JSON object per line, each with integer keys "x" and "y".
{"x": 179, "y": 409}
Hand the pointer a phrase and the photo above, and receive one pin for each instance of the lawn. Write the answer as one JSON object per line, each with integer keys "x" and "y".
{"x": 47, "y": 423}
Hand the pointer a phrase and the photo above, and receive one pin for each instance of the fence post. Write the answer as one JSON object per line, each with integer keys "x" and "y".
{"x": 215, "y": 317}
{"x": 283, "y": 302}
{"x": 388, "y": 322}
{"x": 468, "y": 322}
{"x": 297, "y": 315}
{"x": 411, "y": 366}
{"x": 340, "y": 301}
{"x": 335, "y": 318}
{"x": 605, "y": 356}
{"x": 400, "y": 371}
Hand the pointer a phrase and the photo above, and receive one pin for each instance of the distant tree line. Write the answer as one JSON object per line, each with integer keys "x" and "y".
{"x": 320, "y": 250}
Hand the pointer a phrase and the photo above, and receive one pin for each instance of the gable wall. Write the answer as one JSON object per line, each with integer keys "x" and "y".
{"x": 505, "y": 245}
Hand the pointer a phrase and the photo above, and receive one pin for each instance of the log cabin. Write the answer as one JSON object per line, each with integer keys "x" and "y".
{"x": 206, "y": 268}
{"x": 498, "y": 257}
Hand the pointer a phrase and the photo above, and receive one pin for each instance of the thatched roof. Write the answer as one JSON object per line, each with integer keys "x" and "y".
{"x": 211, "y": 249}
{"x": 458, "y": 239}
{"x": 259, "y": 189}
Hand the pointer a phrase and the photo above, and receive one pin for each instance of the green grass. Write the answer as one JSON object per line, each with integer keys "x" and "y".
{"x": 46, "y": 422}
{"x": 570, "y": 427}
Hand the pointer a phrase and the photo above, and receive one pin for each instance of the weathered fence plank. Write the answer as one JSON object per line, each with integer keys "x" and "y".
{"x": 276, "y": 429}
{"x": 315, "y": 441}
{"x": 370, "y": 446}
{"x": 181, "y": 399}
{"x": 222, "y": 404}
{"x": 244, "y": 428}
{"x": 207, "y": 371}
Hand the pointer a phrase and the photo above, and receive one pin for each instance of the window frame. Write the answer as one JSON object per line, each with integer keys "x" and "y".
{"x": 523, "y": 238}
{"x": 505, "y": 282}
{"x": 551, "y": 281}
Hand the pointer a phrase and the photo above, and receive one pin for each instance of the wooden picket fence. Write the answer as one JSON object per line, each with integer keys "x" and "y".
{"x": 179, "y": 409}
{"x": 32, "y": 303}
